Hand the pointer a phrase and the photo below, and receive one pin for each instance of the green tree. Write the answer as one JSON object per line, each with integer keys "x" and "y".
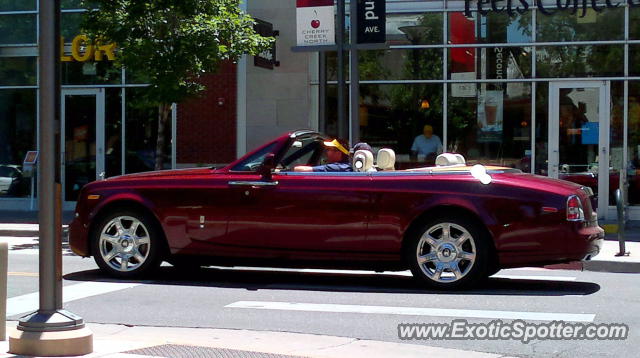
{"x": 172, "y": 43}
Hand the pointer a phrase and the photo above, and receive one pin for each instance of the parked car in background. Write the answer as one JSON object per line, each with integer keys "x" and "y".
{"x": 451, "y": 224}
{"x": 11, "y": 180}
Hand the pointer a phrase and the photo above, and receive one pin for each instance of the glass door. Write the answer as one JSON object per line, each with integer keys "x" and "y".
{"x": 579, "y": 115}
{"x": 82, "y": 146}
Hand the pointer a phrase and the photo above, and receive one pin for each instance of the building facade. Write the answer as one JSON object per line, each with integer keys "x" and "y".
{"x": 550, "y": 87}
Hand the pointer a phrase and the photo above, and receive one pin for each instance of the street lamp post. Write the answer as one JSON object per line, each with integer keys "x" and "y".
{"x": 50, "y": 331}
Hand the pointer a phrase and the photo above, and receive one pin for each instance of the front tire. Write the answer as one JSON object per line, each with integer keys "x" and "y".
{"x": 127, "y": 244}
{"x": 449, "y": 253}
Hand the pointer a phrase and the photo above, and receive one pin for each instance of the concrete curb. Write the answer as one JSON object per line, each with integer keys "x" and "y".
{"x": 611, "y": 266}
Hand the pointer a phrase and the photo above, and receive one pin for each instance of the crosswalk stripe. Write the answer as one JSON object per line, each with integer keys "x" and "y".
{"x": 413, "y": 311}
{"x": 533, "y": 277}
{"x": 25, "y": 274}
{"x": 29, "y": 302}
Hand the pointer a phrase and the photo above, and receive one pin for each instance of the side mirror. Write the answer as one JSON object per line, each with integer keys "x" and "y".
{"x": 267, "y": 166}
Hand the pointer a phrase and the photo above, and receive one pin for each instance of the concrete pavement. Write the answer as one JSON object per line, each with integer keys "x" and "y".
{"x": 118, "y": 341}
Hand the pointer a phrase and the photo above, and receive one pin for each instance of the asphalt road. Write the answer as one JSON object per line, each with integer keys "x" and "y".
{"x": 340, "y": 303}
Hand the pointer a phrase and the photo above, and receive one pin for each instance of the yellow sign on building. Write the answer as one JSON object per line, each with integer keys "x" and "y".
{"x": 83, "y": 50}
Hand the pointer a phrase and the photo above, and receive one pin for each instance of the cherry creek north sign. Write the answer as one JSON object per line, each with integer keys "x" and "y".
{"x": 513, "y": 7}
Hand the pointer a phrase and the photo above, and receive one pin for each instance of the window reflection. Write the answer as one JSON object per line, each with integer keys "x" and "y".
{"x": 580, "y": 61}
{"x": 18, "y": 29}
{"x": 593, "y": 26}
{"x": 392, "y": 116}
{"x": 17, "y": 137}
{"x": 492, "y": 28}
{"x": 18, "y": 71}
{"x": 634, "y": 143}
{"x": 492, "y": 125}
{"x": 414, "y": 29}
{"x": 400, "y": 64}
{"x": 17, "y": 5}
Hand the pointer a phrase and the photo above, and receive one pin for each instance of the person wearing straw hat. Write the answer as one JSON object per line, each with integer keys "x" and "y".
{"x": 337, "y": 158}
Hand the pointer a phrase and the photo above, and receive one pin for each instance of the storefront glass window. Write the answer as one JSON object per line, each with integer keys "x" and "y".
{"x": 18, "y": 71}
{"x": 113, "y": 132}
{"x": 634, "y": 143}
{"x": 634, "y": 23}
{"x": 491, "y": 123}
{"x": 17, "y": 5}
{"x": 403, "y": 64}
{"x": 332, "y": 66}
{"x": 70, "y": 25}
{"x": 76, "y": 4}
{"x": 593, "y": 26}
{"x": 331, "y": 120}
{"x": 392, "y": 116}
{"x": 18, "y": 29}
{"x": 414, "y": 29}
{"x": 467, "y": 63}
{"x": 142, "y": 133}
{"x": 542, "y": 129}
{"x": 90, "y": 73}
{"x": 634, "y": 60}
{"x": 17, "y": 136}
{"x": 616, "y": 138}
{"x": 580, "y": 61}
{"x": 492, "y": 28}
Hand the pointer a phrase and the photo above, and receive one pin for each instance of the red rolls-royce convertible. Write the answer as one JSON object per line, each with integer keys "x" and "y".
{"x": 450, "y": 224}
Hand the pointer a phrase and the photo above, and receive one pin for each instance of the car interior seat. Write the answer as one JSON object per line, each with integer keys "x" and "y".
{"x": 450, "y": 159}
{"x": 386, "y": 159}
{"x": 362, "y": 161}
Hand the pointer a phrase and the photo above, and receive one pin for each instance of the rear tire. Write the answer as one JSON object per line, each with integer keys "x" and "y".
{"x": 449, "y": 253}
{"x": 127, "y": 244}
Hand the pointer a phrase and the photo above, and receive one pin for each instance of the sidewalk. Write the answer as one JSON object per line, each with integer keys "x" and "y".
{"x": 118, "y": 341}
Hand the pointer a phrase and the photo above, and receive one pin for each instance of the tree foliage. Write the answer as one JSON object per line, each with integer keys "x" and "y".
{"x": 174, "y": 42}
{"x": 170, "y": 44}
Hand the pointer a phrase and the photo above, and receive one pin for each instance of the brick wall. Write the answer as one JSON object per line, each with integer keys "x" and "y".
{"x": 206, "y": 129}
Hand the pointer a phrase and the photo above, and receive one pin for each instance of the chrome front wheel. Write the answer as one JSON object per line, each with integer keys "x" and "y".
{"x": 126, "y": 244}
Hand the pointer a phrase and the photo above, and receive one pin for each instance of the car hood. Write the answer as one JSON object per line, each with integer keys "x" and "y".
{"x": 164, "y": 174}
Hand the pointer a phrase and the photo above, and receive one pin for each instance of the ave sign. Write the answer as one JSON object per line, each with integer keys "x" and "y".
{"x": 372, "y": 21}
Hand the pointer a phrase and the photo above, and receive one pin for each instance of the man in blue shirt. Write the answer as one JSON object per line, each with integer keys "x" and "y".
{"x": 337, "y": 159}
{"x": 427, "y": 144}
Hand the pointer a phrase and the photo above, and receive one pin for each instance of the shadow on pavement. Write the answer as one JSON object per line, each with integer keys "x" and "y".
{"x": 254, "y": 280}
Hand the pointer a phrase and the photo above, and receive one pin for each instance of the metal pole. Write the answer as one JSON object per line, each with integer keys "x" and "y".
{"x": 620, "y": 207}
{"x": 50, "y": 316}
{"x": 354, "y": 76}
{"x": 322, "y": 93}
{"x": 342, "y": 123}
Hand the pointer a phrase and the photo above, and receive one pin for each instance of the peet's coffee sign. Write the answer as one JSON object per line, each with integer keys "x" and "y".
{"x": 513, "y": 7}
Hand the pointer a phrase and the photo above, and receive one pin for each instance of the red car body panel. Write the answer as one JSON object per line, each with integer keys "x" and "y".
{"x": 346, "y": 219}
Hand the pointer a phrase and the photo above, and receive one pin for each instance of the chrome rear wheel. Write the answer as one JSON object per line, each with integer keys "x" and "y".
{"x": 446, "y": 252}
{"x": 449, "y": 252}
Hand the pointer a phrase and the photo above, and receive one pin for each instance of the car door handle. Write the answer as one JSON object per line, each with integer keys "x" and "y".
{"x": 254, "y": 184}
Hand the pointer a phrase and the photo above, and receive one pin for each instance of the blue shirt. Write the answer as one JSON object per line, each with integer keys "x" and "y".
{"x": 333, "y": 167}
{"x": 425, "y": 146}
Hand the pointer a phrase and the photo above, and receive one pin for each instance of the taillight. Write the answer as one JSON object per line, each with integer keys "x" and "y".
{"x": 574, "y": 209}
